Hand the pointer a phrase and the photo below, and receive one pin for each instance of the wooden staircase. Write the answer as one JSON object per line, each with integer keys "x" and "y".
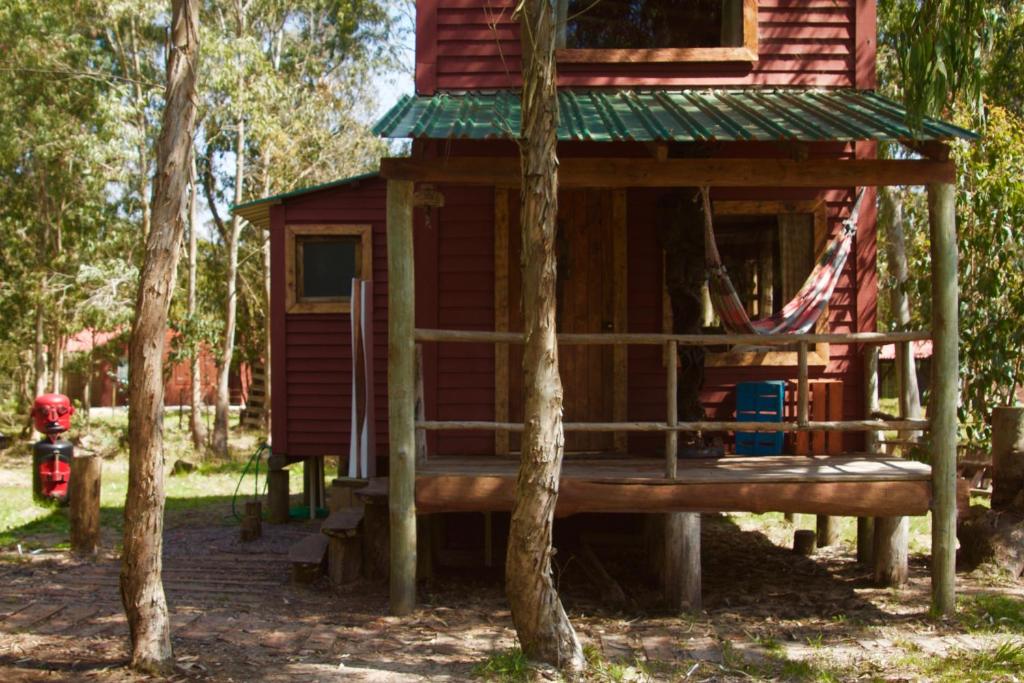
{"x": 252, "y": 414}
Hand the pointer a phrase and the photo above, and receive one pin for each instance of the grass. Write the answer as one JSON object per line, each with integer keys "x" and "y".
{"x": 509, "y": 666}
{"x": 199, "y": 497}
{"x": 1003, "y": 662}
{"x": 990, "y": 613}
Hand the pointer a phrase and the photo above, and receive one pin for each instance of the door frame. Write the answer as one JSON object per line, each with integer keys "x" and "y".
{"x": 620, "y": 354}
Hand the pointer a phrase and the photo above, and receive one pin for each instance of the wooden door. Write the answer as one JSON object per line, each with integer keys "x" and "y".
{"x": 591, "y": 299}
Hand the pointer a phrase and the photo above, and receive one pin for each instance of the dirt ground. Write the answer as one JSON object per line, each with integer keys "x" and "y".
{"x": 769, "y": 614}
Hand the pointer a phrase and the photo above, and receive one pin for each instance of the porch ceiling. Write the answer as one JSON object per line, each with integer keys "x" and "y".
{"x": 612, "y": 115}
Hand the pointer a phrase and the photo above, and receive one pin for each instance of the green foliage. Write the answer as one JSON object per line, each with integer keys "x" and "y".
{"x": 990, "y": 211}
{"x": 509, "y": 666}
{"x": 1001, "y": 663}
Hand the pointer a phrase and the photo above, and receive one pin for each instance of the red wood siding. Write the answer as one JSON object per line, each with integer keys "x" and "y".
{"x": 474, "y": 44}
{"x": 312, "y": 360}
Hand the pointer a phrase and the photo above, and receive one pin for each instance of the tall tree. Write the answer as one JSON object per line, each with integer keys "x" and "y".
{"x": 544, "y": 630}
{"x": 141, "y": 582}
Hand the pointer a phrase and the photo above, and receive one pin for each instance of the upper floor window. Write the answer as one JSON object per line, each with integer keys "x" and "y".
{"x": 657, "y": 30}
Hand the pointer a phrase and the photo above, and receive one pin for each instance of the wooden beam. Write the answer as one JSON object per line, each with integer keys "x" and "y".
{"x": 942, "y": 404}
{"x": 401, "y": 400}
{"x": 469, "y": 493}
{"x": 501, "y": 317}
{"x": 619, "y": 172}
{"x": 620, "y": 354}
{"x": 708, "y": 426}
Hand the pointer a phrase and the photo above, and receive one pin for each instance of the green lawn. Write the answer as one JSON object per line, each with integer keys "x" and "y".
{"x": 199, "y": 497}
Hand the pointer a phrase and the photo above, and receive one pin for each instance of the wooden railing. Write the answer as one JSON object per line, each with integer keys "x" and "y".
{"x": 671, "y": 342}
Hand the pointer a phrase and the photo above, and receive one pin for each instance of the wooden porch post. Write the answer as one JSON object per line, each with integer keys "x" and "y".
{"x": 866, "y": 525}
{"x": 401, "y": 399}
{"x": 942, "y": 405}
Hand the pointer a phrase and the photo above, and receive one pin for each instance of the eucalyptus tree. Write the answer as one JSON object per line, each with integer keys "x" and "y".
{"x": 287, "y": 104}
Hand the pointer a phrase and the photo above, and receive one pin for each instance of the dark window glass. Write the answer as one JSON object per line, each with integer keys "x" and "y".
{"x": 653, "y": 24}
{"x": 327, "y": 266}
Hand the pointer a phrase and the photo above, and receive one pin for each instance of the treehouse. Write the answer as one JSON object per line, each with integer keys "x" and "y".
{"x": 718, "y": 175}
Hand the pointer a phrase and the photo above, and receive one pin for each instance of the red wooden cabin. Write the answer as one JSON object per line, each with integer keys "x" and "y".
{"x": 768, "y": 102}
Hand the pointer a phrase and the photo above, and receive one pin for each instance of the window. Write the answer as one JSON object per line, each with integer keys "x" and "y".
{"x": 657, "y": 30}
{"x": 769, "y": 248}
{"x": 320, "y": 262}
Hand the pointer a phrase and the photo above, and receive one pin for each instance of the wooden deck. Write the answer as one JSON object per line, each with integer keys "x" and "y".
{"x": 834, "y": 485}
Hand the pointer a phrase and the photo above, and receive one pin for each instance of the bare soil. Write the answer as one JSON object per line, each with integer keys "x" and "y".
{"x": 769, "y": 614}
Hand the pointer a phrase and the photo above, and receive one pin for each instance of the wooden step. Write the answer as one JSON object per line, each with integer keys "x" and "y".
{"x": 307, "y": 558}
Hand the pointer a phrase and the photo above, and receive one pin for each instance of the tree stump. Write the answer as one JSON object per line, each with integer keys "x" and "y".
{"x": 84, "y": 498}
{"x": 993, "y": 537}
{"x": 804, "y": 542}
{"x": 1007, "y": 458}
{"x": 252, "y": 521}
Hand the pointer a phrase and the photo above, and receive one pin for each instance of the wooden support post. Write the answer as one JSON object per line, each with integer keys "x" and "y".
{"x": 252, "y": 521}
{"x": 277, "y": 496}
{"x": 421, "y": 408}
{"x": 804, "y": 542}
{"x": 872, "y": 444}
{"x": 84, "y": 501}
{"x": 942, "y": 404}
{"x": 828, "y": 530}
{"x": 620, "y": 352}
{"x": 682, "y": 529}
{"x": 891, "y": 538}
{"x": 802, "y": 389}
{"x": 502, "y": 439}
{"x": 401, "y": 401}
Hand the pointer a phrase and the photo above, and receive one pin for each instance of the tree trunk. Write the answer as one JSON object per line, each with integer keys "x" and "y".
{"x": 896, "y": 250}
{"x": 220, "y": 420}
{"x": 39, "y": 349}
{"x": 196, "y": 426}
{"x": 541, "y": 622}
{"x": 141, "y": 584}
{"x": 267, "y": 384}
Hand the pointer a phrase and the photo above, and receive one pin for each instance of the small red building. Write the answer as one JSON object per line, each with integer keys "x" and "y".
{"x": 768, "y": 102}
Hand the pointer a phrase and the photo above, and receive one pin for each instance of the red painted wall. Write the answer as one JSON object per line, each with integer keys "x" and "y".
{"x": 474, "y": 44}
{"x": 311, "y": 368}
{"x": 455, "y": 290}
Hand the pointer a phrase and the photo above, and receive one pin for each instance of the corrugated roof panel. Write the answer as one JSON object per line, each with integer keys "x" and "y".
{"x": 649, "y": 115}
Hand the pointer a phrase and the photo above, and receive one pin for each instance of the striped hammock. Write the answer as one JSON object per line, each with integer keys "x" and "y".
{"x": 798, "y": 315}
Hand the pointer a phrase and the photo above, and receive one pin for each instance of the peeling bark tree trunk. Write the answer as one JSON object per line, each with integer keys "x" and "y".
{"x": 141, "y": 584}
{"x": 195, "y": 420}
{"x": 541, "y": 623}
{"x": 896, "y": 250}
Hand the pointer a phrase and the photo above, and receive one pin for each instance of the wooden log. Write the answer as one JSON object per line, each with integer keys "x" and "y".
{"x": 618, "y": 172}
{"x": 660, "y": 339}
{"x": 682, "y": 561}
{"x": 804, "y": 542}
{"x": 401, "y": 399}
{"x": 344, "y": 559}
{"x": 1007, "y": 456}
{"x": 716, "y": 426}
{"x": 827, "y": 531}
{"x": 421, "y": 407}
{"x": 277, "y": 496}
{"x": 891, "y": 540}
{"x": 494, "y": 493}
{"x": 943, "y": 402}
{"x": 872, "y": 444}
{"x": 252, "y": 521}
{"x": 84, "y": 504}
{"x": 866, "y": 540}
{"x": 672, "y": 410}
{"x": 801, "y": 401}
{"x": 376, "y": 548}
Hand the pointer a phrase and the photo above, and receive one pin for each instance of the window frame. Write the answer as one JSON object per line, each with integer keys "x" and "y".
{"x": 747, "y": 52}
{"x": 818, "y": 355}
{"x": 364, "y": 264}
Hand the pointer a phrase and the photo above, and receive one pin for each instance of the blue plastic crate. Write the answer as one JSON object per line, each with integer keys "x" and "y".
{"x": 759, "y": 402}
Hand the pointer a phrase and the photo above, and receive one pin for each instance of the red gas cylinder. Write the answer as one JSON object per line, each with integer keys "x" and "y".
{"x": 51, "y": 457}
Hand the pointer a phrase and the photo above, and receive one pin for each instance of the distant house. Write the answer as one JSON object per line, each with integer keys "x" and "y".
{"x": 888, "y": 379}
{"x": 108, "y": 380}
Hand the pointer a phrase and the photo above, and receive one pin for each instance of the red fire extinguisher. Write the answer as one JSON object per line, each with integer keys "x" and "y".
{"x": 51, "y": 456}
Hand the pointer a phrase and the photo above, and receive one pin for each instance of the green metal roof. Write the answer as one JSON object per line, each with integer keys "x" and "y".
{"x": 806, "y": 115}
{"x": 257, "y": 211}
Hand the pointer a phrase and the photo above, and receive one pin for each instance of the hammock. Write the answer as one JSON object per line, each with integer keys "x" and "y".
{"x": 798, "y": 315}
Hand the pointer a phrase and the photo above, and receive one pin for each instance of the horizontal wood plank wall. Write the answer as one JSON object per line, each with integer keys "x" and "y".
{"x": 317, "y": 373}
{"x": 465, "y": 294}
{"x": 802, "y": 42}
